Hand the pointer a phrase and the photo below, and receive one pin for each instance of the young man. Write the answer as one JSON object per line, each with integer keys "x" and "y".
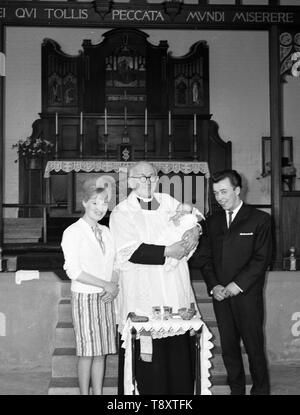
{"x": 137, "y": 223}
{"x": 235, "y": 252}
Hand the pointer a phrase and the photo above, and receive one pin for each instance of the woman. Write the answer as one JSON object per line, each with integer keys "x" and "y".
{"x": 89, "y": 254}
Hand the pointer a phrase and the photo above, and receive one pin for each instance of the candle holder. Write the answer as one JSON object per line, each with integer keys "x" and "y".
{"x": 195, "y": 147}
{"x": 56, "y": 146}
{"x": 105, "y": 145}
{"x": 170, "y": 147}
{"x": 146, "y": 146}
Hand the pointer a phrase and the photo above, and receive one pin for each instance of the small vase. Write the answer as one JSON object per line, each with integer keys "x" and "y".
{"x": 34, "y": 163}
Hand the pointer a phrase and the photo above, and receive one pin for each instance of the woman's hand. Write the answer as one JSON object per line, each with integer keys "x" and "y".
{"x": 111, "y": 290}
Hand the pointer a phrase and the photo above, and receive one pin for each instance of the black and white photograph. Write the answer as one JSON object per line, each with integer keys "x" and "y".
{"x": 149, "y": 200}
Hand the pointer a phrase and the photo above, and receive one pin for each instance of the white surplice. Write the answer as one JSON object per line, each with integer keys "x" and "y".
{"x": 144, "y": 286}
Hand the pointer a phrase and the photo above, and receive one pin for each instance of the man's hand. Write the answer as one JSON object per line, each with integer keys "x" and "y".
{"x": 232, "y": 290}
{"x": 176, "y": 250}
{"x": 191, "y": 238}
{"x": 219, "y": 293}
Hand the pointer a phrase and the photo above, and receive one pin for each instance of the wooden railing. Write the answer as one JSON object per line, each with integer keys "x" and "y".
{"x": 43, "y": 206}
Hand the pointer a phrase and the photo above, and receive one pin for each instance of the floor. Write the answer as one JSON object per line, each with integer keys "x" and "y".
{"x": 285, "y": 380}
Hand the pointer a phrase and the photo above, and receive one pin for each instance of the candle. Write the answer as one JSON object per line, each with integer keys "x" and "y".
{"x": 105, "y": 121}
{"x": 56, "y": 123}
{"x": 146, "y": 121}
{"x": 195, "y": 124}
{"x": 169, "y": 122}
{"x": 81, "y": 123}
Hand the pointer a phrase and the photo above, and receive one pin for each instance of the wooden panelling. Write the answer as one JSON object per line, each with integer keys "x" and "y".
{"x": 290, "y": 222}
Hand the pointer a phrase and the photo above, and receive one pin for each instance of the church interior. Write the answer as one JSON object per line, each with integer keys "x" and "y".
{"x": 87, "y": 88}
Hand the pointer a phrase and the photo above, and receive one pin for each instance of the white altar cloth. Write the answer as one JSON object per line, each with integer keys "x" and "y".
{"x": 165, "y": 328}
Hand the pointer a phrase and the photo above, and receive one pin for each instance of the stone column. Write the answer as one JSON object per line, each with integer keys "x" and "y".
{"x": 2, "y": 79}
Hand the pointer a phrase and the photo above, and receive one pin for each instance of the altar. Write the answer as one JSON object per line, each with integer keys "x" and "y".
{"x": 185, "y": 180}
{"x": 158, "y": 329}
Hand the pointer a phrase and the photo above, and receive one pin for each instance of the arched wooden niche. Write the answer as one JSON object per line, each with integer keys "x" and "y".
{"x": 125, "y": 68}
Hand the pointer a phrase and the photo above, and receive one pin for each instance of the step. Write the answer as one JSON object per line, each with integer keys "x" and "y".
{"x": 65, "y": 320}
{"x": 66, "y": 289}
{"x": 200, "y": 289}
{"x": 213, "y": 328}
{"x": 64, "y": 335}
{"x": 11, "y": 262}
{"x": 65, "y": 310}
{"x": 218, "y": 367}
{"x": 206, "y": 309}
{"x": 215, "y": 335}
{"x": 64, "y": 363}
{"x": 24, "y": 240}
{"x": 220, "y": 386}
{"x": 22, "y": 230}
{"x": 41, "y": 261}
{"x": 69, "y": 386}
{"x": 31, "y": 222}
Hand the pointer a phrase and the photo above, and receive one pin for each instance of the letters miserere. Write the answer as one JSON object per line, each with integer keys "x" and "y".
{"x": 149, "y": 15}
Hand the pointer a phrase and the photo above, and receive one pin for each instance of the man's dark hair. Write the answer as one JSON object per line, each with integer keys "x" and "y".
{"x": 233, "y": 176}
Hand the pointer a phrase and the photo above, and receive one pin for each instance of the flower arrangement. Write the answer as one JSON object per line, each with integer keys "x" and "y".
{"x": 33, "y": 148}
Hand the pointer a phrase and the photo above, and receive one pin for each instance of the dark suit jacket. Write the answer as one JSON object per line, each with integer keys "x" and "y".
{"x": 241, "y": 253}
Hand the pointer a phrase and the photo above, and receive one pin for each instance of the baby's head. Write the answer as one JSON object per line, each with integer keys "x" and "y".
{"x": 184, "y": 208}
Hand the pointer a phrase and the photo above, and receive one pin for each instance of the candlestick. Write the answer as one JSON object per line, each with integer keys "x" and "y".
{"x": 146, "y": 120}
{"x": 56, "y": 146}
{"x": 81, "y": 123}
{"x": 195, "y": 124}
{"x": 105, "y": 145}
{"x": 56, "y": 123}
{"x": 81, "y": 145}
{"x": 146, "y": 144}
{"x": 169, "y": 129}
{"x": 195, "y": 147}
{"x": 146, "y": 147}
{"x": 105, "y": 121}
{"x": 125, "y": 115}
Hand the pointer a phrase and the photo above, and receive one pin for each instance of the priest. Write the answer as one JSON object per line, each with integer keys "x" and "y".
{"x": 136, "y": 224}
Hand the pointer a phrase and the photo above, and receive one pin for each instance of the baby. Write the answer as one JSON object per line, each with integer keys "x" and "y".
{"x": 186, "y": 218}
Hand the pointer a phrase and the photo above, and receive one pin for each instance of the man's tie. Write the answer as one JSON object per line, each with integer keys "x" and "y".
{"x": 229, "y": 218}
{"x": 98, "y": 233}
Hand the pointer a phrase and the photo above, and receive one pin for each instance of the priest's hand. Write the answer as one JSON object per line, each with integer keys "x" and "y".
{"x": 176, "y": 250}
{"x": 191, "y": 238}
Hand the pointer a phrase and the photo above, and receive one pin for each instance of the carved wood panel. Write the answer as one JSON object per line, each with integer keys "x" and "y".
{"x": 188, "y": 80}
{"x": 61, "y": 79}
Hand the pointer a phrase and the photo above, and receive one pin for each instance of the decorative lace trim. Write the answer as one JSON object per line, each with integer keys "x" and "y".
{"x": 124, "y": 254}
{"x": 107, "y": 166}
{"x": 166, "y": 330}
